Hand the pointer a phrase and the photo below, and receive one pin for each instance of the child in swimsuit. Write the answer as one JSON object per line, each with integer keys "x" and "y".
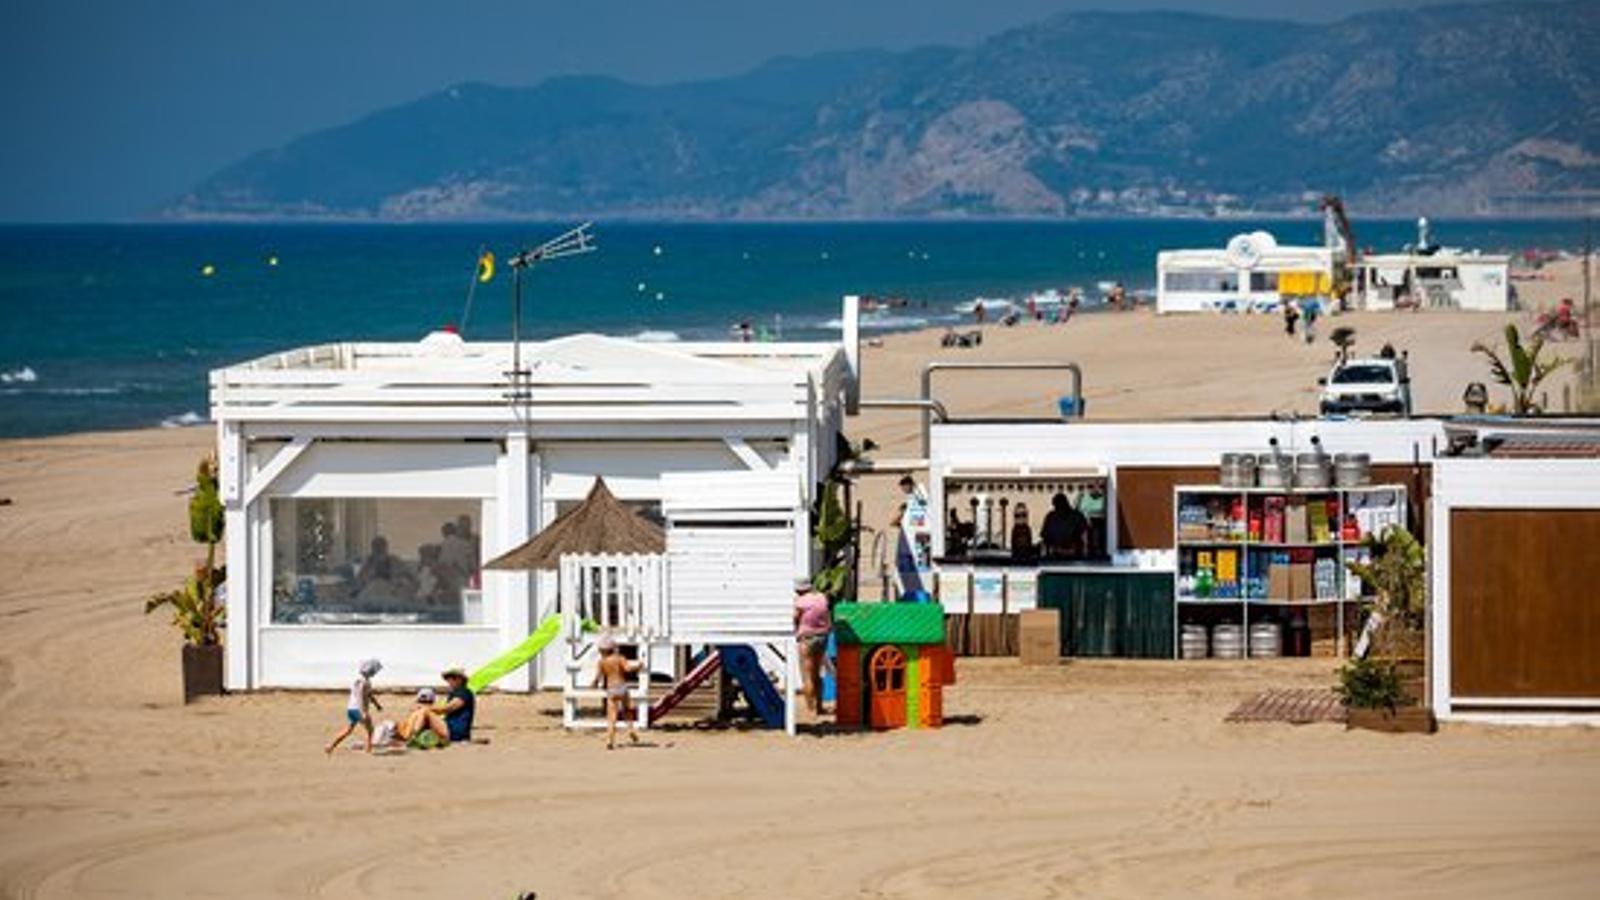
{"x": 614, "y": 671}
{"x": 356, "y": 708}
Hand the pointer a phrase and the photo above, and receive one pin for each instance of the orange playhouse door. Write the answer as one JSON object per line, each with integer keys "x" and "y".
{"x": 886, "y": 671}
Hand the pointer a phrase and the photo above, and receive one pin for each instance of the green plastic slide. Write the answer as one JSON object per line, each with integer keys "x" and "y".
{"x": 517, "y": 656}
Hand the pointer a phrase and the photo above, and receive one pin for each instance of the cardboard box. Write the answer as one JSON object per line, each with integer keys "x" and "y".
{"x": 1040, "y": 636}
{"x": 1296, "y": 527}
{"x": 1300, "y": 585}
{"x": 1278, "y": 581}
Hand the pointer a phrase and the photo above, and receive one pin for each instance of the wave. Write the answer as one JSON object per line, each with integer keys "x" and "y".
{"x": 63, "y": 391}
{"x": 186, "y": 419}
{"x": 24, "y": 375}
{"x": 656, "y": 337}
{"x": 889, "y": 323}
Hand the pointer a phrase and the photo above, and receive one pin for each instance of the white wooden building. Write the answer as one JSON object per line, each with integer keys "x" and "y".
{"x": 1447, "y": 279}
{"x": 365, "y": 483}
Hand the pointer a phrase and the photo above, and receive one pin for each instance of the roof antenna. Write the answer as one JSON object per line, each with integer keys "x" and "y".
{"x": 578, "y": 240}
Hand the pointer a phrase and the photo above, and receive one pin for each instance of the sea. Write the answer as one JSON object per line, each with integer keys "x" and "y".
{"x": 116, "y": 326}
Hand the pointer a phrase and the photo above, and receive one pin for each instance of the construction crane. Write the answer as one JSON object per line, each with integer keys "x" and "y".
{"x": 1336, "y": 227}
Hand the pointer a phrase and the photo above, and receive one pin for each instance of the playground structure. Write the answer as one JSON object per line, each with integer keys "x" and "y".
{"x": 892, "y": 665}
{"x": 720, "y": 587}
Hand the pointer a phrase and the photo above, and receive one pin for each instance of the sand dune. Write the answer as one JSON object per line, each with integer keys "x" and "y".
{"x": 1094, "y": 779}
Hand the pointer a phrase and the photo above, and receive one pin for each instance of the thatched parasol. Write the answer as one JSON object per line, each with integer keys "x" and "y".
{"x": 600, "y": 524}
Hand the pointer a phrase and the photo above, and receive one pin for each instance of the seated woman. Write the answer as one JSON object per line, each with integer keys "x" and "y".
{"x": 459, "y": 706}
{"x": 423, "y": 727}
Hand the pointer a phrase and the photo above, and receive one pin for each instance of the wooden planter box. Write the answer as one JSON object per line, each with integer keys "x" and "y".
{"x": 202, "y": 671}
{"x": 1404, "y": 720}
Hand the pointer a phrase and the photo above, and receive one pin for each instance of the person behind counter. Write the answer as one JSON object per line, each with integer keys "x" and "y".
{"x": 1022, "y": 546}
{"x": 1065, "y": 533}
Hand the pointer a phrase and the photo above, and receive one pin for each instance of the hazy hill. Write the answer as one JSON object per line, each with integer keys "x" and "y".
{"x": 1459, "y": 109}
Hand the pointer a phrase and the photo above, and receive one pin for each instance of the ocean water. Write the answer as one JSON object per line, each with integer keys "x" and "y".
{"x": 116, "y": 326}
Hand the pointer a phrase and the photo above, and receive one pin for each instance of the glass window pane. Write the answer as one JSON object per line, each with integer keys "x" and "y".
{"x": 365, "y": 560}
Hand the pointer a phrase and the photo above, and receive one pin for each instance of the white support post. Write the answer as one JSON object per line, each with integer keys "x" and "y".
{"x": 791, "y": 675}
{"x": 518, "y": 501}
{"x": 241, "y": 635}
{"x": 851, "y": 319}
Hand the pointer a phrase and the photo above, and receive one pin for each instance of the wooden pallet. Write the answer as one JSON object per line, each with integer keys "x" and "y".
{"x": 1298, "y": 706}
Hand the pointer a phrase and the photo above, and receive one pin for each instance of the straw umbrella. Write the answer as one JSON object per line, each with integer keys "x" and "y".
{"x": 600, "y": 524}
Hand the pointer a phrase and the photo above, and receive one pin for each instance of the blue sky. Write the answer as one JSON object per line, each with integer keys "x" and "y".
{"x": 112, "y": 108}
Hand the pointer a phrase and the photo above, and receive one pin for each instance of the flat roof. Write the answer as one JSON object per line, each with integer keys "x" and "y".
{"x": 580, "y": 376}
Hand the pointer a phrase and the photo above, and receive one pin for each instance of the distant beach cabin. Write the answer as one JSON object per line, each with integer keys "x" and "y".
{"x": 1447, "y": 279}
{"x": 1253, "y": 273}
{"x": 367, "y": 483}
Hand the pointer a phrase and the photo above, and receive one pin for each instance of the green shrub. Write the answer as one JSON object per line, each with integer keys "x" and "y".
{"x": 1371, "y": 684}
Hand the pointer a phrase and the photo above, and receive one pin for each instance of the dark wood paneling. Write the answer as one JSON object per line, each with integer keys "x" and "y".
{"x": 1418, "y": 481}
{"x": 1144, "y": 502}
{"x": 1525, "y": 603}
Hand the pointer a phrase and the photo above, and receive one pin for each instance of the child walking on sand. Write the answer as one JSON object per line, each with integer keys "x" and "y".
{"x": 613, "y": 672}
{"x": 356, "y": 712}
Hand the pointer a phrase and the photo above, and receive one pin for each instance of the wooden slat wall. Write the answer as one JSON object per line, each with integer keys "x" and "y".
{"x": 1144, "y": 502}
{"x": 1525, "y": 603}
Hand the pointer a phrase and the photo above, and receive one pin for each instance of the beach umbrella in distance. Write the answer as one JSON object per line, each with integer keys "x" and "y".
{"x": 600, "y": 524}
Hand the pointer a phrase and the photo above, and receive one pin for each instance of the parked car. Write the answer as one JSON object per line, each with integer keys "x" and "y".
{"x": 1376, "y": 385}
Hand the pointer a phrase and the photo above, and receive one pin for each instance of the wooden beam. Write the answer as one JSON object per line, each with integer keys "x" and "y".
{"x": 748, "y": 456}
{"x": 275, "y": 467}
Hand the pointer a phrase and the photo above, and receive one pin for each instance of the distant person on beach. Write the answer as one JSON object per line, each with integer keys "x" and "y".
{"x": 1290, "y": 316}
{"x": 1117, "y": 296}
{"x": 614, "y": 674}
{"x": 978, "y": 312}
{"x": 1310, "y": 308}
{"x": 812, "y": 622}
{"x": 1065, "y": 532}
{"x": 357, "y": 707}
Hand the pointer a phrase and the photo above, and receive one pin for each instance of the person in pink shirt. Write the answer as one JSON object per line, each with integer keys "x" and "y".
{"x": 812, "y": 622}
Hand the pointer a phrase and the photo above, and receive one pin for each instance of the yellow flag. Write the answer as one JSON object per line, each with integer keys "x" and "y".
{"x": 485, "y": 267}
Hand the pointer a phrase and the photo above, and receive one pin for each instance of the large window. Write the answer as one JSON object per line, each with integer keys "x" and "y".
{"x": 363, "y": 560}
{"x": 1263, "y": 282}
{"x": 1214, "y": 282}
{"x": 1025, "y": 519}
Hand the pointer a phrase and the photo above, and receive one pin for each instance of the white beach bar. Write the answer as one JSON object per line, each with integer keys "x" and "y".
{"x": 343, "y": 464}
{"x": 1241, "y": 277}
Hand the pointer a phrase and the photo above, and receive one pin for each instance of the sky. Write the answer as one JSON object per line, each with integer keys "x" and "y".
{"x": 109, "y": 110}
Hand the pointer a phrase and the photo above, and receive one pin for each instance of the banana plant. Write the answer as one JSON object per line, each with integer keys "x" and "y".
{"x": 196, "y": 610}
{"x": 1520, "y": 369}
{"x": 832, "y": 534}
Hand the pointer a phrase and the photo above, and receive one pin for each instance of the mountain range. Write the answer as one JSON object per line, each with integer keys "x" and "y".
{"x": 1451, "y": 110}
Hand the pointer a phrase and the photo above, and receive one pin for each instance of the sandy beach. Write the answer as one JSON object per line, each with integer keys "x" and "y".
{"x": 1092, "y": 779}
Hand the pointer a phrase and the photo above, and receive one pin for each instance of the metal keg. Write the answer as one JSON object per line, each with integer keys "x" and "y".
{"x": 1227, "y": 641}
{"x": 1352, "y": 469}
{"x": 1312, "y": 470}
{"x": 1274, "y": 471}
{"x": 1238, "y": 470}
{"x": 1193, "y": 642}
{"x": 1266, "y": 640}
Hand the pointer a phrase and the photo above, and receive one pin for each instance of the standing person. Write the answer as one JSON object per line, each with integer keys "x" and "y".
{"x": 356, "y": 708}
{"x": 977, "y": 312}
{"x": 1065, "y": 532}
{"x": 812, "y": 622}
{"x": 1290, "y": 316}
{"x": 613, "y": 673}
{"x": 1310, "y": 308}
{"x": 459, "y": 706}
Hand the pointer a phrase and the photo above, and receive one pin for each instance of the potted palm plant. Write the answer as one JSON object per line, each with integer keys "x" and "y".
{"x": 197, "y": 610}
{"x": 1521, "y": 368}
{"x": 1385, "y": 689}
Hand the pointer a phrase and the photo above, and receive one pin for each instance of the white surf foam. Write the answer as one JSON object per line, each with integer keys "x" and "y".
{"x": 187, "y": 419}
{"x": 24, "y": 375}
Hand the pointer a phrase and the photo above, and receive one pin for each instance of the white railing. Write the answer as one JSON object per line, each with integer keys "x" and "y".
{"x": 625, "y": 595}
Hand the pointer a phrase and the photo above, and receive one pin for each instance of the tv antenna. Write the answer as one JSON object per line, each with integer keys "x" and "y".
{"x": 578, "y": 240}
